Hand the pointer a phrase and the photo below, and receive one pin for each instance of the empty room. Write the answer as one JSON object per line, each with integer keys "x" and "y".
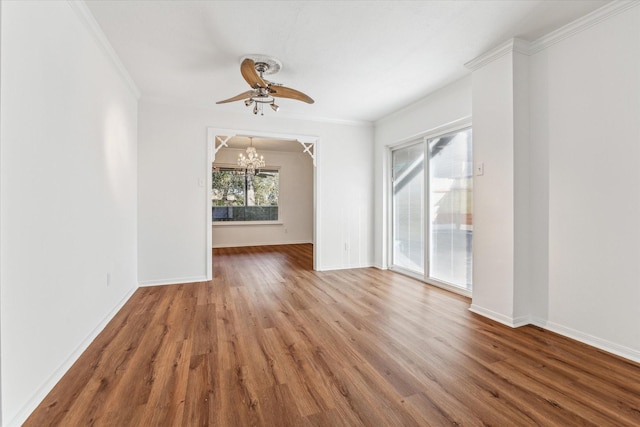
{"x": 319, "y": 213}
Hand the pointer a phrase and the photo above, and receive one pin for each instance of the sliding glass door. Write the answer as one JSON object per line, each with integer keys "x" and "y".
{"x": 408, "y": 208}
{"x": 450, "y": 208}
{"x": 432, "y": 223}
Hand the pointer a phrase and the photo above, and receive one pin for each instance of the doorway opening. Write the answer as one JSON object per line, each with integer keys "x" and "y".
{"x": 240, "y": 216}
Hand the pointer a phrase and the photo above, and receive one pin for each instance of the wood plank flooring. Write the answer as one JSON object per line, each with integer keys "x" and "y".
{"x": 269, "y": 342}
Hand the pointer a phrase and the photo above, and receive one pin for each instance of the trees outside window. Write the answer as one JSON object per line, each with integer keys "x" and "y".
{"x": 238, "y": 196}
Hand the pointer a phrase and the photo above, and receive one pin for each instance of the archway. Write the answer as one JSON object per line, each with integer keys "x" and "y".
{"x": 219, "y": 138}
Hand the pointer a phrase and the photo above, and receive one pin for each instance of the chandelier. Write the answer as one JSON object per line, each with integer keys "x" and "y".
{"x": 251, "y": 161}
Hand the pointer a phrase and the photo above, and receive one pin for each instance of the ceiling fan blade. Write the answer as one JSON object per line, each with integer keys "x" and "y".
{"x": 248, "y": 70}
{"x": 243, "y": 95}
{"x": 286, "y": 92}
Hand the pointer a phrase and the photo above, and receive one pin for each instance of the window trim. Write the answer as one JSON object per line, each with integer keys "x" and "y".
{"x": 231, "y": 223}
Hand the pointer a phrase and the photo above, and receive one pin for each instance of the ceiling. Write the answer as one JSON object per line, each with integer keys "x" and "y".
{"x": 359, "y": 60}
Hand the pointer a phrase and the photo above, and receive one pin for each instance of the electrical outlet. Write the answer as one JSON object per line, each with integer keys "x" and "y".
{"x": 108, "y": 279}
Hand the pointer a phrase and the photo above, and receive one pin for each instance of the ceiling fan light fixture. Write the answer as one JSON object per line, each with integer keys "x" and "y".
{"x": 253, "y": 68}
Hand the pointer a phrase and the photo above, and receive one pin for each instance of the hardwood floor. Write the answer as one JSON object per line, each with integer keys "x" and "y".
{"x": 269, "y": 342}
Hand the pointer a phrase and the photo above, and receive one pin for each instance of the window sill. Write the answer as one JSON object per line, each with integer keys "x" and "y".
{"x": 243, "y": 223}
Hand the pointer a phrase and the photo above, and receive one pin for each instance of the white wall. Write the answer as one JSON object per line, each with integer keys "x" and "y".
{"x": 586, "y": 133}
{"x": 501, "y": 217}
{"x": 295, "y": 203}
{"x": 172, "y": 212}
{"x": 555, "y": 238}
{"x": 556, "y": 125}
{"x": 448, "y": 105}
{"x": 493, "y": 192}
{"x": 68, "y": 196}
{"x": 522, "y": 190}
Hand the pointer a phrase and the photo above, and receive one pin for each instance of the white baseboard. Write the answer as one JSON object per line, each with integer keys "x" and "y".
{"x": 539, "y": 321}
{"x": 608, "y": 346}
{"x": 341, "y": 267}
{"x": 521, "y": 321}
{"x": 55, "y": 377}
{"x": 243, "y": 245}
{"x": 174, "y": 281}
{"x": 599, "y": 343}
{"x": 501, "y": 318}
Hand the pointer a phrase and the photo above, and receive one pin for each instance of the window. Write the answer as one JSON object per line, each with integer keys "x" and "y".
{"x": 237, "y": 196}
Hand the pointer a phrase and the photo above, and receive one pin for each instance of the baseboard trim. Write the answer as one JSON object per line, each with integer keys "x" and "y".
{"x": 174, "y": 281}
{"x": 246, "y": 245}
{"x": 500, "y": 318}
{"x": 342, "y": 267}
{"x": 593, "y": 341}
{"x": 521, "y": 321}
{"x": 55, "y": 377}
{"x": 599, "y": 343}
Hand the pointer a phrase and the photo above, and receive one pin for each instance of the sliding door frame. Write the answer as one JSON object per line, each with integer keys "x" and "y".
{"x": 422, "y": 138}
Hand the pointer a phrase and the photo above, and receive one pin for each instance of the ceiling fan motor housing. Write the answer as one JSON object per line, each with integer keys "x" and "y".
{"x": 265, "y": 64}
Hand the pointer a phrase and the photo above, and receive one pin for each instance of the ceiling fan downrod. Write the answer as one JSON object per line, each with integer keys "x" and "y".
{"x": 262, "y": 67}
{"x": 262, "y": 96}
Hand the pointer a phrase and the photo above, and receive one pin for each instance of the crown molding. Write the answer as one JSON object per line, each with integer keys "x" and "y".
{"x": 510, "y": 46}
{"x": 589, "y": 20}
{"x": 530, "y": 48}
{"x": 87, "y": 18}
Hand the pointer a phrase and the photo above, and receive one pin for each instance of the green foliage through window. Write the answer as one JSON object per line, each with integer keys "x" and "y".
{"x": 237, "y": 196}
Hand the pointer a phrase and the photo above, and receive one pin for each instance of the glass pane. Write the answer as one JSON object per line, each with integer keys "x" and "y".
{"x": 265, "y": 186}
{"x": 227, "y": 187}
{"x": 237, "y": 196}
{"x": 450, "y": 208}
{"x": 408, "y": 208}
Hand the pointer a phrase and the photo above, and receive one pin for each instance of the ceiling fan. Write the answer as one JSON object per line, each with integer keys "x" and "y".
{"x": 253, "y": 69}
